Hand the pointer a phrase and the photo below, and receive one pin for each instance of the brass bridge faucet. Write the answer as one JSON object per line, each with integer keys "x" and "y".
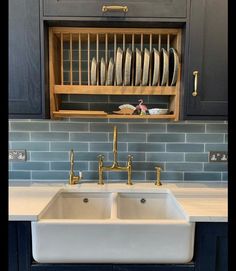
{"x": 115, "y": 166}
{"x": 73, "y": 179}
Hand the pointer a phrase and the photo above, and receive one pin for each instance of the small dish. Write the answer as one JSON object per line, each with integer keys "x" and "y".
{"x": 173, "y": 66}
{"x": 157, "y": 111}
{"x": 110, "y": 72}
{"x": 138, "y": 67}
{"x": 118, "y": 66}
{"x": 156, "y": 68}
{"x": 102, "y": 72}
{"x": 146, "y": 63}
{"x": 164, "y": 64}
{"x": 127, "y": 73}
{"x": 94, "y": 72}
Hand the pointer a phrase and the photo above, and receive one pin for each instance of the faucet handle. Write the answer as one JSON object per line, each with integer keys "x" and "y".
{"x": 100, "y": 157}
{"x": 158, "y": 180}
{"x": 130, "y": 159}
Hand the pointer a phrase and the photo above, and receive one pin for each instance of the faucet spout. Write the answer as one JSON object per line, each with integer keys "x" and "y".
{"x": 115, "y": 165}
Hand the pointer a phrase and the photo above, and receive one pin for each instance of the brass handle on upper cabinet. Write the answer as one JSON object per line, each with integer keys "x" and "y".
{"x": 195, "y": 74}
{"x": 106, "y": 8}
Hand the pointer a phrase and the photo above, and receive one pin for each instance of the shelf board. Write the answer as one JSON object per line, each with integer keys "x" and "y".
{"x": 102, "y": 114}
{"x": 115, "y": 90}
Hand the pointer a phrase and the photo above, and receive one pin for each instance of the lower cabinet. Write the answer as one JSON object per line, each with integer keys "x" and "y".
{"x": 211, "y": 247}
{"x": 211, "y": 254}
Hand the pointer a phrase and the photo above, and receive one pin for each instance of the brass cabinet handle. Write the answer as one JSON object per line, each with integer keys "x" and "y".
{"x": 106, "y": 8}
{"x": 195, "y": 74}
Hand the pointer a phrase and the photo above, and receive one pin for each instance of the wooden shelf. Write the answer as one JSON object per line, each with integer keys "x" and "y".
{"x": 71, "y": 50}
{"x": 115, "y": 90}
{"x": 102, "y": 114}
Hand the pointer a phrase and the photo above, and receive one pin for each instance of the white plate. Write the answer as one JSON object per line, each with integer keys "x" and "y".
{"x": 138, "y": 67}
{"x": 146, "y": 63}
{"x": 118, "y": 66}
{"x": 165, "y": 67}
{"x": 110, "y": 72}
{"x": 102, "y": 72}
{"x": 94, "y": 72}
{"x": 173, "y": 66}
{"x": 127, "y": 73}
{"x": 156, "y": 68}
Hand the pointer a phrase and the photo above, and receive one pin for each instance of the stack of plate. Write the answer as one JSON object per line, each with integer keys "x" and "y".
{"x": 156, "y": 68}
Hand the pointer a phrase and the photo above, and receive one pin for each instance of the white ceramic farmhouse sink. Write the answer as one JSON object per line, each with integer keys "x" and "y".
{"x": 148, "y": 206}
{"x": 113, "y": 227}
{"x": 68, "y": 205}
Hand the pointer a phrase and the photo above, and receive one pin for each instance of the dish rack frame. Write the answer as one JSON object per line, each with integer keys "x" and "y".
{"x": 57, "y": 35}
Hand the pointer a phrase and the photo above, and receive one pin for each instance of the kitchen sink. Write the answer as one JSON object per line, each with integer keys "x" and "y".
{"x": 148, "y": 206}
{"x": 113, "y": 227}
{"x": 67, "y": 205}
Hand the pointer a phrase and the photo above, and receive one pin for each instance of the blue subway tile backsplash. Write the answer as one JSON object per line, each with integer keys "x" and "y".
{"x": 180, "y": 148}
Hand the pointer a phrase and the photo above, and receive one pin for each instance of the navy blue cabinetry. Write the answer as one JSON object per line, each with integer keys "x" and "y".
{"x": 208, "y": 56}
{"x": 210, "y": 253}
{"x": 211, "y": 247}
{"x": 12, "y": 247}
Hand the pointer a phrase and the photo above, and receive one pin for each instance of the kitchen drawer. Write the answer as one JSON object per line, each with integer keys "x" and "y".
{"x": 136, "y": 8}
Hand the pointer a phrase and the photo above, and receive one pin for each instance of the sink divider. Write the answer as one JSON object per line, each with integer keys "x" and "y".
{"x": 114, "y": 205}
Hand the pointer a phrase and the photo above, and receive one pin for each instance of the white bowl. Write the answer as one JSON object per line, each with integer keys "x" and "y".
{"x": 157, "y": 111}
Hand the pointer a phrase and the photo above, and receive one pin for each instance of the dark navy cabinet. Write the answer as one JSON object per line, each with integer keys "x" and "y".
{"x": 211, "y": 247}
{"x": 137, "y": 8}
{"x": 204, "y": 24}
{"x": 25, "y": 92}
{"x": 208, "y": 56}
{"x": 210, "y": 254}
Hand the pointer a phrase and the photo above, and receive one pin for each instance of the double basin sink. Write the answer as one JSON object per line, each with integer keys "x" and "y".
{"x": 113, "y": 227}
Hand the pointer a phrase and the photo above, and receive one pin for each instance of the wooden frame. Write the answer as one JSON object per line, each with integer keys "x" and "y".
{"x": 154, "y": 37}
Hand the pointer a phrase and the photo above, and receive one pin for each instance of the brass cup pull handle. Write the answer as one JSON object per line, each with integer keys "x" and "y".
{"x": 112, "y": 8}
{"x": 195, "y": 74}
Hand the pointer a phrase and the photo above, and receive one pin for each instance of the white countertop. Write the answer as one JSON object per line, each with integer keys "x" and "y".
{"x": 201, "y": 201}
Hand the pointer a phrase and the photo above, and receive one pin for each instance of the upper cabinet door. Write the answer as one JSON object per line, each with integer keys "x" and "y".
{"x": 208, "y": 57}
{"x": 135, "y": 8}
{"x": 25, "y": 96}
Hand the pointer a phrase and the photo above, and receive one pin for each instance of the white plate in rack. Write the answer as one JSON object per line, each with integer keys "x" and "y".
{"x": 127, "y": 73}
{"x": 164, "y": 66}
{"x": 110, "y": 72}
{"x": 156, "y": 67}
{"x": 94, "y": 72}
{"x": 119, "y": 66}
{"x": 138, "y": 67}
{"x": 102, "y": 72}
{"x": 173, "y": 66}
{"x": 146, "y": 63}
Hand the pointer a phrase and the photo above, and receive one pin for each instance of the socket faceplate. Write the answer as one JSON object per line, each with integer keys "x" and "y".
{"x": 218, "y": 156}
{"x": 17, "y": 155}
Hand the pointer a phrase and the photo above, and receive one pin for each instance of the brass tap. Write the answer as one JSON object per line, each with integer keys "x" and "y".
{"x": 115, "y": 166}
{"x": 73, "y": 179}
{"x": 158, "y": 180}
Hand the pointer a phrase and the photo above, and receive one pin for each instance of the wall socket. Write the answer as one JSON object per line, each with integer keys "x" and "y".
{"x": 17, "y": 155}
{"x": 218, "y": 156}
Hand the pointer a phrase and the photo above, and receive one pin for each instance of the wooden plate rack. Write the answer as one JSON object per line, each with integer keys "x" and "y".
{"x": 103, "y": 42}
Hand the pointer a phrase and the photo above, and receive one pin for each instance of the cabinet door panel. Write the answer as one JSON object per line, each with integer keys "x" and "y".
{"x": 12, "y": 247}
{"x": 208, "y": 56}
{"x": 211, "y": 249}
{"x": 24, "y": 58}
{"x": 136, "y": 8}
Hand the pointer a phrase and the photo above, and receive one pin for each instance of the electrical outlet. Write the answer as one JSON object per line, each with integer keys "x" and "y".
{"x": 218, "y": 156}
{"x": 17, "y": 155}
